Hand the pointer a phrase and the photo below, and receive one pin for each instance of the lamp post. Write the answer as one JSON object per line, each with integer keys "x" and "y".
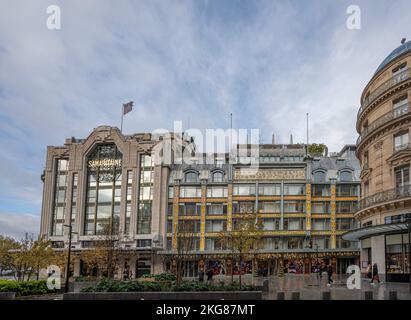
{"x": 66, "y": 284}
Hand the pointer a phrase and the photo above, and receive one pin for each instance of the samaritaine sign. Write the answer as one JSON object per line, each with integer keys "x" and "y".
{"x": 106, "y": 163}
{"x": 269, "y": 174}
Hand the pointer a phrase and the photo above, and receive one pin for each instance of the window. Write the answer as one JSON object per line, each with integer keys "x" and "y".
{"x": 402, "y": 176}
{"x": 321, "y": 224}
{"x": 294, "y": 224}
{"x": 400, "y": 106}
{"x": 60, "y": 197}
{"x": 218, "y": 177}
{"x": 192, "y": 226}
{"x": 244, "y": 207}
{"x": 347, "y": 206}
{"x": 269, "y": 189}
{"x": 402, "y": 67}
{"x": 216, "y": 209}
{"x": 295, "y": 243}
{"x": 144, "y": 212}
{"x": 215, "y": 225}
{"x": 244, "y": 190}
{"x": 190, "y": 192}
{"x": 319, "y": 176}
{"x": 294, "y": 206}
{"x": 397, "y": 253}
{"x": 320, "y": 190}
{"x": 144, "y": 243}
{"x": 214, "y": 244}
{"x": 320, "y": 207}
{"x": 294, "y": 189}
{"x": 128, "y": 203}
{"x": 216, "y": 192}
{"x": 271, "y": 224}
{"x": 345, "y": 175}
{"x": 345, "y": 223}
{"x": 190, "y": 209}
{"x": 74, "y": 200}
{"x": 269, "y": 207}
{"x": 347, "y": 190}
{"x": 401, "y": 141}
{"x": 103, "y": 190}
{"x": 191, "y": 177}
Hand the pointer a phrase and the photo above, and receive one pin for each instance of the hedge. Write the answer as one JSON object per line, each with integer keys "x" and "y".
{"x": 25, "y": 288}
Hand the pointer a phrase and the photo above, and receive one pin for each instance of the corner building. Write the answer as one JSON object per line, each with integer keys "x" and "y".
{"x": 305, "y": 203}
{"x": 383, "y": 148}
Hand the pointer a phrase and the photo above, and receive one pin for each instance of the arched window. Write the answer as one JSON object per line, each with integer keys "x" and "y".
{"x": 191, "y": 176}
{"x": 345, "y": 175}
{"x": 319, "y": 176}
{"x": 218, "y": 176}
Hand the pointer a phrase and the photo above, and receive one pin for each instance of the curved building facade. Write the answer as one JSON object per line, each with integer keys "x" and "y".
{"x": 383, "y": 148}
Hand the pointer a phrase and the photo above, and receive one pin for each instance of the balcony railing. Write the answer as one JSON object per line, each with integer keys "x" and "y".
{"x": 386, "y": 196}
{"x": 393, "y": 114}
{"x": 396, "y": 79}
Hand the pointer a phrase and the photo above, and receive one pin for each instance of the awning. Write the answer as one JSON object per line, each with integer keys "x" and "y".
{"x": 361, "y": 233}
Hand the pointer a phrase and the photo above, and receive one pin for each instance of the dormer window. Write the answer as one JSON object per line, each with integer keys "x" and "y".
{"x": 218, "y": 176}
{"x": 319, "y": 176}
{"x": 191, "y": 176}
{"x": 399, "y": 69}
{"x": 346, "y": 175}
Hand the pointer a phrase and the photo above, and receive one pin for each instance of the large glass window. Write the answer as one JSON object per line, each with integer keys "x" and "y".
{"x": 190, "y": 192}
{"x": 244, "y": 189}
{"x": 128, "y": 203}
{"x": 144, "y": 212}
{"x": 294, "y": 189}
{"x": 216, "y": 192}
{"x": 60, "y": 197}
{"x": 191, "y": 177}
{"x": 103, "y": 190}
{"x": 320, "y": 190}
{"x": 294, "y": 206}
{"x": 269, "y": 207}
{"x": 347, "y": 190}
{"x": 271, "y": 224}
{"x": 269, "y": 189}
{"x": 190, "y": 209}
{"x": 74, "y": 200}
{"x": 321, "y": 224}
{"x": 215, "y": 225}
{"x": 400, "y": 106}
{"x": 320, "y": 207}
{"x": 347, "y": 206}
{"x": 216, "y": 209}
{"x": 244, "y": 207}
{"x": 396, "y": 253}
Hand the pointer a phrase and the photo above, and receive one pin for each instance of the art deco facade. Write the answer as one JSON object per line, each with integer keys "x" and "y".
{"x": 383, "y": 148}
{"x": 304, "y": 203}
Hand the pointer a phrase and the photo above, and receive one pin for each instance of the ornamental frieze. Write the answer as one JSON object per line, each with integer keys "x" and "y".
{"x": 269, "y": 174}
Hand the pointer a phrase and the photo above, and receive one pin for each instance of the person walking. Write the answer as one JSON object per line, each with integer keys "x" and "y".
{"x": 375, "y": 275}
{"x": 330, "y": 274}
{"x": 369, "y": 271}
{"x": 210, "y": 274}
{"x": 201, "y": 275}
{"x": 317, "y": 270}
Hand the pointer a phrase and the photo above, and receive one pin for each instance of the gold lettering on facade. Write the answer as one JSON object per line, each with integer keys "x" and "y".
{"x": 269, "y": 174}
{"x": 104, "y": 163}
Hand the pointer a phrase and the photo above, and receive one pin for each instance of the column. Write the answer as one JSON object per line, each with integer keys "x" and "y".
{"x": 176, "y": 195}
{"x": 333, "y": 219}
{"x": 203, "y": 214}
{"x": 308, "y": 207}
{"x": 230, "y": 207}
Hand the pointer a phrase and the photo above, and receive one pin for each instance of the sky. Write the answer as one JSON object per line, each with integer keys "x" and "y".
{"x": 266, "y": 62}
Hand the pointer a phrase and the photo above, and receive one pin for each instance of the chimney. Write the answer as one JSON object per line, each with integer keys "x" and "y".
{"x": 273, "y": 139}
{"x": 403, "y": 40}
{"x": 291, "y": 139}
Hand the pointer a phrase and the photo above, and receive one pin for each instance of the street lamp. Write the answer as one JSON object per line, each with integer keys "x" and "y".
{"x": 66, "y": 285}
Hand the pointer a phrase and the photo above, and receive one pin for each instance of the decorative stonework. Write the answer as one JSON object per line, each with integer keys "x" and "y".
{"x": 269, "y": 174}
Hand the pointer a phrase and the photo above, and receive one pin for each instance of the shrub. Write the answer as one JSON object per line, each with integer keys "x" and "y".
{"x": 166, "y": 276}
{"x": 25, "y": 288}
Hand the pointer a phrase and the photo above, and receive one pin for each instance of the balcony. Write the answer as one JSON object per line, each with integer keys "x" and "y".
{"x": 385, "y": 118}
{"x": 384, "y": 87}
{"x": 386, "y": 196}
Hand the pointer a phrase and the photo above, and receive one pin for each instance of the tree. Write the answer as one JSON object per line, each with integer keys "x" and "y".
{"x": 185, "y": 244}
{"x": 243, "y": 239}
{"x": 6, "y": 244}
{"x": 317, "y": 149}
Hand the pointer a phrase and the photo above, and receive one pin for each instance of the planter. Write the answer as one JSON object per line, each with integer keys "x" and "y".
{"x": 7, "y": 295}
{"x": 166, "y": 295}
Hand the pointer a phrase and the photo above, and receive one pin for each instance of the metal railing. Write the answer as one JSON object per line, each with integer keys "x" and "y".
{"x": 393, "y": 114}
{"x": 386, "y": 196}
{"x": 393, "y": 81}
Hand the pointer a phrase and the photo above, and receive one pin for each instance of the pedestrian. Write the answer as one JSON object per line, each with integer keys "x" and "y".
{"x": 317, "y": 270}
{"x": 369, "y": 271}
{"x": 375, "y": 275}
{"x": 201, "y": 275}
{"x": 330, "y": 274}
{"x": 210, "y": 274}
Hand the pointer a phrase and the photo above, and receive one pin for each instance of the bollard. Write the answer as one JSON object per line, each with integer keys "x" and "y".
{"x": 281, "y": 295}
{"x": 393, "y": 295}
{"x": 368, "y": 295}
{"x": 265, "y": 285}
{"x": 326, "y": 295}
{"x": 295, "y": 296}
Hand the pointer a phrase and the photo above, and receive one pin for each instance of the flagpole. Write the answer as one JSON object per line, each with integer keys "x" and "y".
{"x": 122, "y": 116}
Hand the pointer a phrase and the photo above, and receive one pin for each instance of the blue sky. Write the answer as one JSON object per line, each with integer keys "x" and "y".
{"x": 267, "y": 62}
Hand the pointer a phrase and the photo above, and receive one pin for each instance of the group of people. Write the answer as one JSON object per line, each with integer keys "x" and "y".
{"x": 209, "y": 272}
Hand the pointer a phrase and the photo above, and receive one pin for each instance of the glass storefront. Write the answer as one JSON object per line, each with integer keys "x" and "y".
{"x": 397, "y": 257}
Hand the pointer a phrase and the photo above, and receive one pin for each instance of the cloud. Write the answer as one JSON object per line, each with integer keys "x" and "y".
{"x": 17, "y": 225}
{"x": 267, "y": 62}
